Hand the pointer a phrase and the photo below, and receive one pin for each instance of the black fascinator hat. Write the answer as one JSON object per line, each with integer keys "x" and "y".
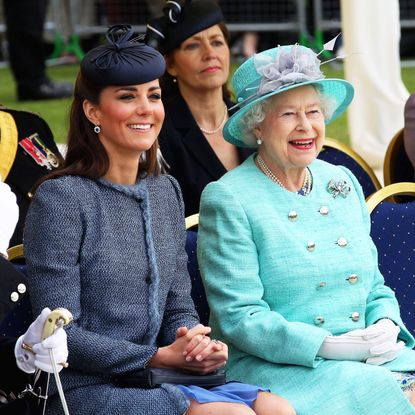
{"x": 181, "y": 20}
{"x": 124, "y": 60}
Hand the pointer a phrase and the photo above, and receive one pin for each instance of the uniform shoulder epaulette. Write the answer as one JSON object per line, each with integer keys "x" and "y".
{"x": 8, "y": 143}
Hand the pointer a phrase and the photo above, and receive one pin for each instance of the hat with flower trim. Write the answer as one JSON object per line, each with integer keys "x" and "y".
{"x": 272, "y": 72}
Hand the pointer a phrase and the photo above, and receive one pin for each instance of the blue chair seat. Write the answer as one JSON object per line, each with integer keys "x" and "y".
{"x": 393, "y": 232}
{"x": 337, "y": 153}
{"x": 198, "y": 291}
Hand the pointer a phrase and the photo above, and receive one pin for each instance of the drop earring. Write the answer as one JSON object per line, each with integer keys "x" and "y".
{"x": 97, "y": 129}
{"x": 259, "y": 141}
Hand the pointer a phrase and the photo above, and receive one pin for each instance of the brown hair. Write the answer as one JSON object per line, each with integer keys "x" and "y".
{"x": 169, "y": 87}
{"x": 86, "y": 156}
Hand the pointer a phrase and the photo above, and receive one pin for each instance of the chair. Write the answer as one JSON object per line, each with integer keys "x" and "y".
{"x": 19, "y": 318}
{"x": 397, "y": 166}
{"x": 15, "y": 253}
{"x": 393, "y": 232}
{"x": 198, "y": 291}
{"x": 337, "y": 153}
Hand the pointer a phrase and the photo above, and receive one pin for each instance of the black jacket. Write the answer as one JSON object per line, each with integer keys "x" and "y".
{"x": 12, "y": 379}
{"x": 25, "y": 172}
{"x": 192, "y": 160}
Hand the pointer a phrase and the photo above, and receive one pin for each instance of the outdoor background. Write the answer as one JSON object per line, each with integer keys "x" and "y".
{"x": 74, "y": 26}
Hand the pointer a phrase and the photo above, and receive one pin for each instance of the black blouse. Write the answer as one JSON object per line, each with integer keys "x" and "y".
{"x": 192, "y": 160}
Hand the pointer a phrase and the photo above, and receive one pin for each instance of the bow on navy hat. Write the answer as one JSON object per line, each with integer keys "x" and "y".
{"x": 181, "y": 20}
{"x": 124, "y": 60}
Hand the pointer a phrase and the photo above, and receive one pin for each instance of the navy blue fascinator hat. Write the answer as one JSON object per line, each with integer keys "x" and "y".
{"x": 124, "y": 60}
{"x": 181, "y": 20}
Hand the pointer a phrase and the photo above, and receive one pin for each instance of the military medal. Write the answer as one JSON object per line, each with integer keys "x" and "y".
{"x": 52, "y": 159}
{"x": 34, "y": 147}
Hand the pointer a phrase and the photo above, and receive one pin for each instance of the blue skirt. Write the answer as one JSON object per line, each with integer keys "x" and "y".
{"x": 234, "y": 392}
{"x": 406, "y": 380}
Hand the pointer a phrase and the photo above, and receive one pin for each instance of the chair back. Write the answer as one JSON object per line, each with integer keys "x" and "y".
{"x": 393, "y": 232}
{"x": 397, "y": 167}
{"x": 198, "y": 290}
{"x": 337, "y": 153}
{"x": 18, "y": 319}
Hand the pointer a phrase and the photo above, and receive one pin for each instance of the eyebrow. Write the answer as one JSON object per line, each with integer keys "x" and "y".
{"x": 134, "y": 89}
{"x": 287, "y": 106}
{"x": 196, "y": 37}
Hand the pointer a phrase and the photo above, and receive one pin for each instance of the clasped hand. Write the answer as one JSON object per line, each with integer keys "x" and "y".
{"x": 193, "y": 350}
{"x": 39, "y": 357}
{"x": 376, "y": 344}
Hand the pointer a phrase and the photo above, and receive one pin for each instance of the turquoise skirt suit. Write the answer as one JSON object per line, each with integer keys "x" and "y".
{"x": 282, "y": 272}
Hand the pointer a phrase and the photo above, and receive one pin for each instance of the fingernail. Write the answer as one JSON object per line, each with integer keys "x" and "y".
{"x": 184, "y": 353}
{"x": 199, "y": 357}
{"x": 188, "y": 358}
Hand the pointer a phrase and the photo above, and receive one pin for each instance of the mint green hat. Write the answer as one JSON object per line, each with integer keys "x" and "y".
{"x": 274, "y": 71}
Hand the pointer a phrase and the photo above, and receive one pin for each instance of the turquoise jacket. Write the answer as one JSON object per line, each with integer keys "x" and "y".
{"x": 283, "y": 271}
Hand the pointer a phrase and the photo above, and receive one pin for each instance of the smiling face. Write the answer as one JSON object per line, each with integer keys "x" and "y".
{"x": 130, "y": 118}
{"x": 293, "y": 129}
{"x": 202, "y": 61}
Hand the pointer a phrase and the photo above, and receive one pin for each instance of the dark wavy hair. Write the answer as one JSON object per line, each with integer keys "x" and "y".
{"x": 86, "y": 155}
{"x": 170, "y": 87}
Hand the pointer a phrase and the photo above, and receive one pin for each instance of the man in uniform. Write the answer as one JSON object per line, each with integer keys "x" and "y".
{"x": 27, "y": 153}
{"x": 21, "y": 357}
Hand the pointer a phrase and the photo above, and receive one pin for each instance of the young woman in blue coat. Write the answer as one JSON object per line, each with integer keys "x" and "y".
{"x": 105, "y": 239}
{"x": 289, "y": 267}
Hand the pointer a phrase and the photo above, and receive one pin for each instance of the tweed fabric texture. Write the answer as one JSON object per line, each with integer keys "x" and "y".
{"x": 273, "y": 300}
{"x": 114, "y": 256}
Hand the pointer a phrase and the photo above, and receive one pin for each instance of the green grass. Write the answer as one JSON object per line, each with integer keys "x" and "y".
{"x": 55, "y": 112}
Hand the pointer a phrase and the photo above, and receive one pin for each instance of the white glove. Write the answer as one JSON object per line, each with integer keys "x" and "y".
{"x": 377, "y": 342}
{"x": 25, "y": 359}
{"x": 385, "y": 328}
{"x": 58, "y": 343}
{"x": 9, "y": 215}
{"x": 385, "y": 352}
{"x": 40, "y": 359}
{"x": 390, "y": 348}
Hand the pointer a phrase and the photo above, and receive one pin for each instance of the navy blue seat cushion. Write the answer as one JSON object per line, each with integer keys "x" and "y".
{"x": 393, "y": 232}
{"x": 340, "y": 158}
{"x": 198, "y": 290}
{"x": 20, "y": 317}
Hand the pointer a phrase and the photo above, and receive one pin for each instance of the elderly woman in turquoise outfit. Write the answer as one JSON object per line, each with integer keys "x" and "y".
{"x": 288, "y": 264}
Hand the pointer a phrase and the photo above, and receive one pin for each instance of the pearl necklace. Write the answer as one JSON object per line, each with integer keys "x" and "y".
{"x": 307, "y": 183}
{"x": 225, "y": 116}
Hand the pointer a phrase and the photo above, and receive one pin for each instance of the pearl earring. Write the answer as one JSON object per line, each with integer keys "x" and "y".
{"x": 97, "y": 129}
{"x": 174, "y": 80}
{"x": 259, "y": 141}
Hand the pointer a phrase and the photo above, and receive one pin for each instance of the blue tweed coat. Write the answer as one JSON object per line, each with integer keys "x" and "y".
{"x": 282, "y": 272}
{"x": 114, "y": 256}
